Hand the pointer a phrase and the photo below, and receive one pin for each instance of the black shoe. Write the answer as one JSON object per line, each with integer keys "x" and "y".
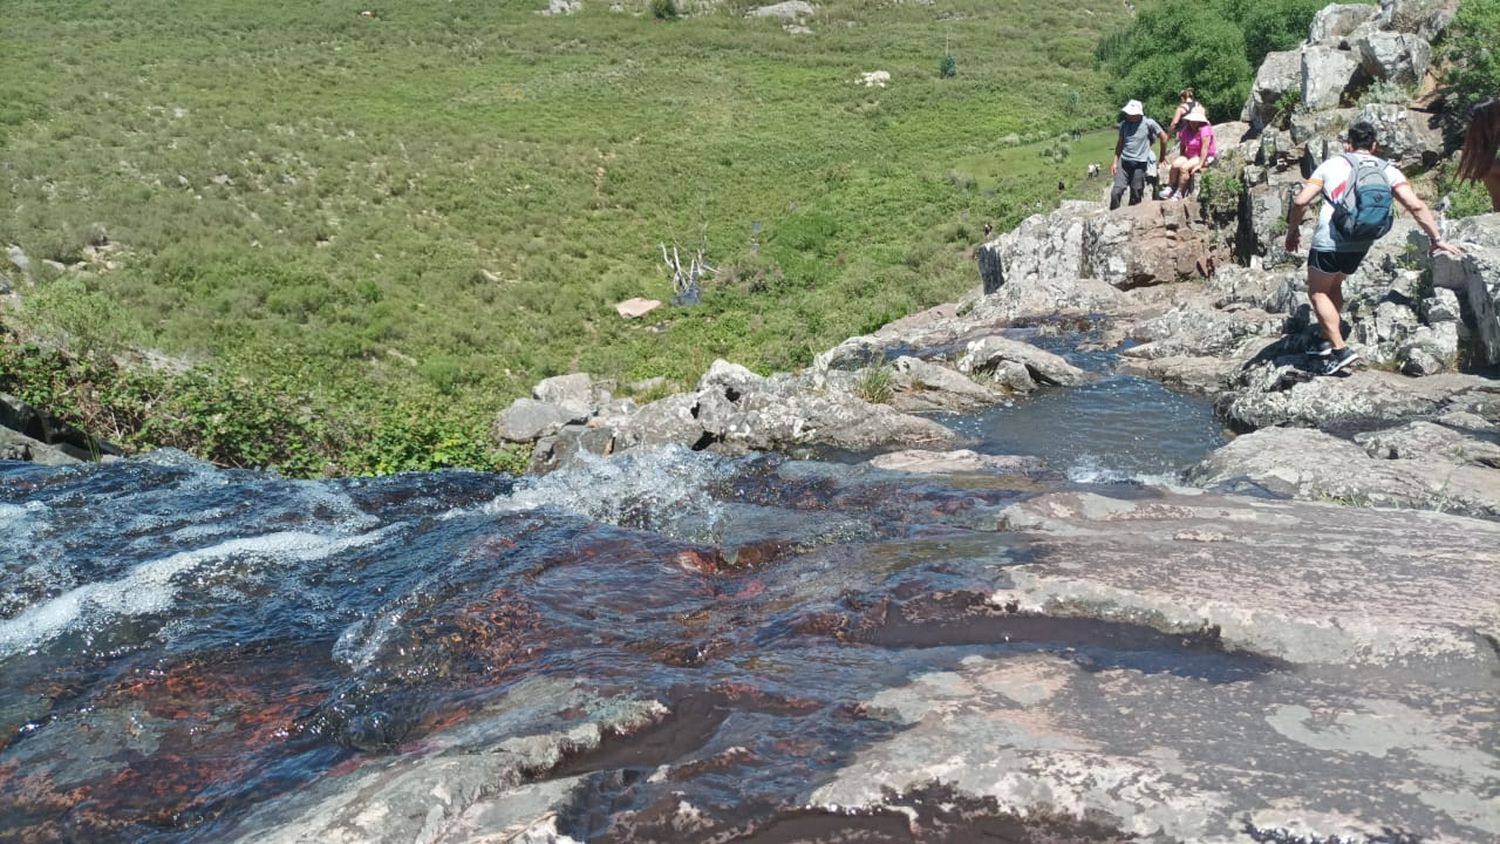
{"x": 1338, "y": 361}
{"x": 1320, "y": 349}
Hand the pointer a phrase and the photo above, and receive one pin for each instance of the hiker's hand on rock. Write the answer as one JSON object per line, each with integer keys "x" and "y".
{"x": 1447, "y": 248}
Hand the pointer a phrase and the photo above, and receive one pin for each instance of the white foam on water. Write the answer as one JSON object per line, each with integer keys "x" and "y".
{"x": 149, "y": 587}
{"x": 1091, "y": 470}
{"x": 654, "y": 489}
{"x": 361, "y": 641}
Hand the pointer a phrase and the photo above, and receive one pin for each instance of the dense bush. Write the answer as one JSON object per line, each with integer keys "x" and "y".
{"x": 1472, "y": 47}
{"x": 1212, "y": 46}
{"x": 236, "y": 421}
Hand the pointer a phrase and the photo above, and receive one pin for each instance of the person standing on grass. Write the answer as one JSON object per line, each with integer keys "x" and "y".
{"x": 1481, "y": 155}
{"x": 1357, "y": 189}
{"x": 1133, "y": 153}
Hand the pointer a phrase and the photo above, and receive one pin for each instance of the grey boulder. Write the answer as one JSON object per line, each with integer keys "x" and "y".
{"x": 527, "y": 420}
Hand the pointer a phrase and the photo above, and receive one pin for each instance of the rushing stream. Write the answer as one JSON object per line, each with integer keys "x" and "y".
{"x": 180, "y": 645}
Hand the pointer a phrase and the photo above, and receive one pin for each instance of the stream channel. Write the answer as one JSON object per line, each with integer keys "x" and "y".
{"x": 184, "y": 647}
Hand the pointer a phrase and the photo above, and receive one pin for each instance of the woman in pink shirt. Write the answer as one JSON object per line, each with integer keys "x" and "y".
{"x": 1196, "y": 139}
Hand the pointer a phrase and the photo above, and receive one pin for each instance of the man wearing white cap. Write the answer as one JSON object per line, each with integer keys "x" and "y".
{"x": 1133, "y": 153}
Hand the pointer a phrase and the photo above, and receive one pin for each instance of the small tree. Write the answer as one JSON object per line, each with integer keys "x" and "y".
{"x": 665, "y": 10}
{"x": 948, "y": 67}
{"x": 1472, "y": 47}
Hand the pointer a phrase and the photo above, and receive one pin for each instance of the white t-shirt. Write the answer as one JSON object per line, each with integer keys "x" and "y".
{"x": 1333, "y": 177}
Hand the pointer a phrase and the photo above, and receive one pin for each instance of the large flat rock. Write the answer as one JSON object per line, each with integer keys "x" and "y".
{"x": 1284, "y": 757}
{"x": 1305, "y": 582}
{"x": 1421, "y": 466}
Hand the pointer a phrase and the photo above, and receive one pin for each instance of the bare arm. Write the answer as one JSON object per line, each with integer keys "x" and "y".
{"x": 1114, "y": 166}
{"x": 1425, "y": 218}
{"x": 1310, "y": 191}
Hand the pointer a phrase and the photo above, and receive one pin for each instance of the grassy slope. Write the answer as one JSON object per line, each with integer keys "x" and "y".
{"x": 300, "y": 187}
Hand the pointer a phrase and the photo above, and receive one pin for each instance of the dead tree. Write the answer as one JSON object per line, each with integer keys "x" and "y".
{"x": 687, "y": 284}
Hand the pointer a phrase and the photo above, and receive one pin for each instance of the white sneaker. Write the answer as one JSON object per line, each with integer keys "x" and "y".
{"x": 1166, "y": 193}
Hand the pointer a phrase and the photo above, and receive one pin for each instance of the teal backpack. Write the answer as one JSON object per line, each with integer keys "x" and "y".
{"x": 1365, "y": 212}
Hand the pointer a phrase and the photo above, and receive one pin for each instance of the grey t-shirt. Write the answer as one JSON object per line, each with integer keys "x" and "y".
{"x": 1138, "y": 138}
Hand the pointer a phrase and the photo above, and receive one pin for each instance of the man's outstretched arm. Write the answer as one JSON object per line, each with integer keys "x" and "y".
{"x": 1425, "y": 218}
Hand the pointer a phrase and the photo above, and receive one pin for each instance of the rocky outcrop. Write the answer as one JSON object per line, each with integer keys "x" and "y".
{"x": 1397, "y": 57}
{"x": 1279, "y": 74}
{"x": 527, "y": 420}
{"x": 1424, "y": 18}
{"x": 920, "y": 385}
{"x": 1327, "y": 73}
{"x": 15, "y": 445}
{"x": 1013, "y": 363}
{"x": 1407, "y": 138}
{"x": 1333, "y": 24}
{"x": 1150, "y": 243}
{"x": 1054, "y": 262}
{"x": 1336, "y": 750}
{"x": 1315, "y": 466}
{"x": 34, "y": 431}
{"x": 735, "y": 410}
{"x": 1269, "y": 394}
{"x": 1475, "y": 278}
{"x": 1042, "y": 247}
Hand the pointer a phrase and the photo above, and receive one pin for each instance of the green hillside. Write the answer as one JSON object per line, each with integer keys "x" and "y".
{"x": 435, "y": 205}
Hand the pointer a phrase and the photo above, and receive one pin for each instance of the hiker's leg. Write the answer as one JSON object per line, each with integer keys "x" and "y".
{"x": 1137, "y": 181}
{"x": 1122, "y": 180}
{"x": 1179, "y": 174}
{"x": 1322, "y": 287}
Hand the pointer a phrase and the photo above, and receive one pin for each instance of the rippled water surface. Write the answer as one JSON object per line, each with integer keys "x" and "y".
{"x": 180, "y": 645}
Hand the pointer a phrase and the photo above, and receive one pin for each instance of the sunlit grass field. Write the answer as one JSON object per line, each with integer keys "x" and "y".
{"x": 446, "y": 199}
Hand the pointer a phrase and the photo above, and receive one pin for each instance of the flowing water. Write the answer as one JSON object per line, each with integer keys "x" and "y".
{"x": 180, "y": 645}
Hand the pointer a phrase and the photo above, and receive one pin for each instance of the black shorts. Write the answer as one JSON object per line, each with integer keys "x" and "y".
{"x": 1335, "y": 262}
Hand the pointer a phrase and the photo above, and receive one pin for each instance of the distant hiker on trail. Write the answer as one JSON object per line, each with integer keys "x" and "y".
{"x": 1186, "y": 102}
{"x": 1197, "y": 146}
{"x": 1481, "y": 148}
{"x": 1357, "y": 189}
{"x": 1133, "y": 153}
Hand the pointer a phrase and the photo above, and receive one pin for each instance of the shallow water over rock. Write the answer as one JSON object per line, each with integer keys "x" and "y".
{"x": 670, "y": 645}
{"x": 180, "y": 644}
{"x": 1118, "y": 427}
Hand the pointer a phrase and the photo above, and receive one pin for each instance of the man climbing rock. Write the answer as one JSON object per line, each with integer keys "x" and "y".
{"x": 1133, "y": 153}
{"x": 1357, "y": 189}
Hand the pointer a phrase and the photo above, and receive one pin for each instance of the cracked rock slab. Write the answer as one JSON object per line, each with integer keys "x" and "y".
{"x": 1304, "y": 582}
{"x": 1286, "y": 756}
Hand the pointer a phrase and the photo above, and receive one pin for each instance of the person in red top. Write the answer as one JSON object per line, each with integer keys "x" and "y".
{"x": 1198, "y": 147}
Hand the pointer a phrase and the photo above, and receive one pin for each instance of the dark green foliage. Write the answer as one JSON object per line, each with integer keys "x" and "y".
{"x": 948, "y": 67}
{"x": 665, "y": 10}
{"x": 236, "y": 421}
{"x": 1472, "y": 47}
{"x": 1272, "y": 25}
{"x": 1212, "y": 46}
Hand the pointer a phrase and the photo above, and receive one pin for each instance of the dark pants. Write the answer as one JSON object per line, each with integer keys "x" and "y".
{"x": 1132, "y": 174}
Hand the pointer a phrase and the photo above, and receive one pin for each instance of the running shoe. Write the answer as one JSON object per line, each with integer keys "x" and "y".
{"x": 1339, "y": 360}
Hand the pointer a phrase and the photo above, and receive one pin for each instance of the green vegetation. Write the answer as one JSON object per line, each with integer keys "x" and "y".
{"x": 1219, "y": 191}
{"x": 1466, "y": 199}
{"x": 417, "y": 214}
{"x": 1471, "y": 46}
{"x": 1212, "y": 46}
{"x": 875, "y": 385}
